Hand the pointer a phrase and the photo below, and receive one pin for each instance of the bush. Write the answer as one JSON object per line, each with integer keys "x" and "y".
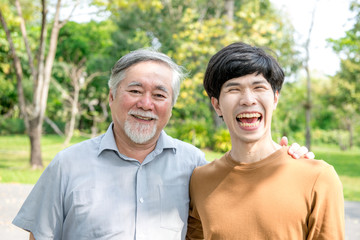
{"x": 194, "y": 132}
{"x": 222, "y": 140}
{"x": 12, "y": 126}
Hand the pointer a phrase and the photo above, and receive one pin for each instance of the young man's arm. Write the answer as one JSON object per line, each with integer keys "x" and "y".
{"x": 326, "y": 220}
{"x": 31, "y": 236}
{"x": 194, "y": 228}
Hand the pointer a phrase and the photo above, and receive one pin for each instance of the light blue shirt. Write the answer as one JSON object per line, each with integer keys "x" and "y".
{"x": 92, "y": 191}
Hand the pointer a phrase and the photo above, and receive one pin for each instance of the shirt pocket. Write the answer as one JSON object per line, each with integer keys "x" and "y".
{"x": 174, "y": 202}
{"x": 98, "y": 212}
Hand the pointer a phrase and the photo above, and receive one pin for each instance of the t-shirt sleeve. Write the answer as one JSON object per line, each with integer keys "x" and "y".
{"x": 42, "y": 211}
{"x": 194, "y": 228}
{"x": 326, "y": 220}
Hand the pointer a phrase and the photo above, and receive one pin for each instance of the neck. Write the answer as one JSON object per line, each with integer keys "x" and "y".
{"x": 253, "y": 151}
{"x": 134, "y": 150}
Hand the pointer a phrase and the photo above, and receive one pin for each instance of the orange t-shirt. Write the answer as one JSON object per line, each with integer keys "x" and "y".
{"x": 275, "y": 198}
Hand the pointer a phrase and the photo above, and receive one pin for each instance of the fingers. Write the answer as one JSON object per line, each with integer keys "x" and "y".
{"x": 293, "y": 148}
{"x": 310, "y": 155}
{"x": 296, "y": 151}
{"x": 302, "y": 151}
{"x": 284, "y": 141}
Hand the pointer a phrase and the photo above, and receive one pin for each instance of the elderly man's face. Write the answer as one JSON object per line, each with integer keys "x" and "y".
{"x": 143, "y": 102}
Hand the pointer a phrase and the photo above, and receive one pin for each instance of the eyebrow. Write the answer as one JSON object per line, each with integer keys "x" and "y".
{"x": 231, "y": 84}
{"x": 159, "y": 87}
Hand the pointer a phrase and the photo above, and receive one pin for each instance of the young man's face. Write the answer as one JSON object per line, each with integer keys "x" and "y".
{"x": 246, "y": 104}
{"x": 143, "y": 102}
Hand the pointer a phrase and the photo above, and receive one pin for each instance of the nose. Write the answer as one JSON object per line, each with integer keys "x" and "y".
{"x": 248, "y": 98}
{"x": 145, "y": 102}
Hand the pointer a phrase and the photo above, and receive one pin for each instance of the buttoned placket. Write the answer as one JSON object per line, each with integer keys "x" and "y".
{"x": 140, "y": 202}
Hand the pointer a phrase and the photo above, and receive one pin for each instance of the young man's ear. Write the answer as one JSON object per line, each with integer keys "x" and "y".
{"x": 276, "y": 99}
{"x": 215, "y": 104}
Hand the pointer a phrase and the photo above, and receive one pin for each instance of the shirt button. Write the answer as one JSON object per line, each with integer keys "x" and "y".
{"x": 141, "y": 200}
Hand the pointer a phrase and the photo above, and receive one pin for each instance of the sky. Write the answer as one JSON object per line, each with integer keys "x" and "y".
{"x": 331, "y": 21}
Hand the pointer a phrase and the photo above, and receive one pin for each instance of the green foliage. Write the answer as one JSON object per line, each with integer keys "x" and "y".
{"x": 190, "y": 32}
{"x": 345, "y": 98}
{"x": 330, "y": 137}
{"x": 194, "y": 132}
{"x": 347, "y": 165}
{"x": 222, "y": 140}
{"x": 11, "y": 126}
{"x": 289, "y": 116}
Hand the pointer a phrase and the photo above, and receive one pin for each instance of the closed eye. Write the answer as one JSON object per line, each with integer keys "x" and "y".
{"x": 160, "y": 96}
{"x": 261, "y": 87}
{"x": 233, "y": 90}
{"x": 135, "y": 91}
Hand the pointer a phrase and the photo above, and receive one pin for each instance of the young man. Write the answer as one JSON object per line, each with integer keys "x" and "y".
{"x": 256, "y": 191}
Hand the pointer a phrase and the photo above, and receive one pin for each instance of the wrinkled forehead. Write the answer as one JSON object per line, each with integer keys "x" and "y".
{"x": 153, "y": 74}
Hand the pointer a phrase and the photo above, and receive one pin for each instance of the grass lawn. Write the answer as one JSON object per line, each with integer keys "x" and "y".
{"x": 347, "y": 165}
{"x": 15, "y": 155}
{"x": 15, "y": 168}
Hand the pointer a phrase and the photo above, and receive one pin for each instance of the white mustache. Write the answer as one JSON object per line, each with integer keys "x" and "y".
{"x": 143, "y": 114}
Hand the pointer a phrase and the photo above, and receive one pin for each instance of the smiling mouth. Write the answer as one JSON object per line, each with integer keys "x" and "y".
{"x": 143, "y": 117}
{"x": 249, "y": 119}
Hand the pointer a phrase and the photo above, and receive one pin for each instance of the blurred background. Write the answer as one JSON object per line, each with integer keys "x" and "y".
{"x": 56, "y": 57}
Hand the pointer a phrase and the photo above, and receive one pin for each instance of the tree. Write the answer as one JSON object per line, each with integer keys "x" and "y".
{"x": 79, "y": 52}
{"x": 78, "y": 81}
{"x": 40, "y": 67}
{"x": 308, "y": 104}
{"x": 347, "y": 80}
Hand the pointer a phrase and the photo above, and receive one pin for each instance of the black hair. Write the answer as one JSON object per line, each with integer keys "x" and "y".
{"x": 237, "y": 60}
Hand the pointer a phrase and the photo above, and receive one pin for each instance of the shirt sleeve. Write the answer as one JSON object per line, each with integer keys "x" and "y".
{"x": 326, "y": 220}
{"x": 202, "y": 160}
{"x": 194, "y": 228}
{"x": 42, "y": 212}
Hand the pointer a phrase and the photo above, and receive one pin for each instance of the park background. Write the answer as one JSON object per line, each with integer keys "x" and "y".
{"x": 55, "y": 64}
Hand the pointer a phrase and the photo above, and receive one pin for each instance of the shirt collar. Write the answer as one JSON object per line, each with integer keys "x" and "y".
{"x": 108, "y": 142}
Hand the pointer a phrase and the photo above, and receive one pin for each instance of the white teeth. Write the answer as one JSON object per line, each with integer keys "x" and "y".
{"x": 143, "y": 118}
{"x": 248, "y": 115}
{"x": 148, "y": 116}
{"x": 255, "y": 124}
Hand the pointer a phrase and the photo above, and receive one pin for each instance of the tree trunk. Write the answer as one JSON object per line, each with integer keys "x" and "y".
{"x": 35, "y": 143}
{"x": 33, "y": 113}
{"x": 308, "y": 104}
{"x": 18, "y": 72}
{"x": 308, "y": 107}
{"x": 229, "y": 12}
{"x": 74, "y": 112}
{"x": 229, "y": 9}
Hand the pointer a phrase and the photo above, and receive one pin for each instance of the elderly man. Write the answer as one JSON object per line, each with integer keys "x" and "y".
{"x": 129, "y": 183}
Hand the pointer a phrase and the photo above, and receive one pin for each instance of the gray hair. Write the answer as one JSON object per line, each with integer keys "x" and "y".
{"x": 141, "y": 55}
